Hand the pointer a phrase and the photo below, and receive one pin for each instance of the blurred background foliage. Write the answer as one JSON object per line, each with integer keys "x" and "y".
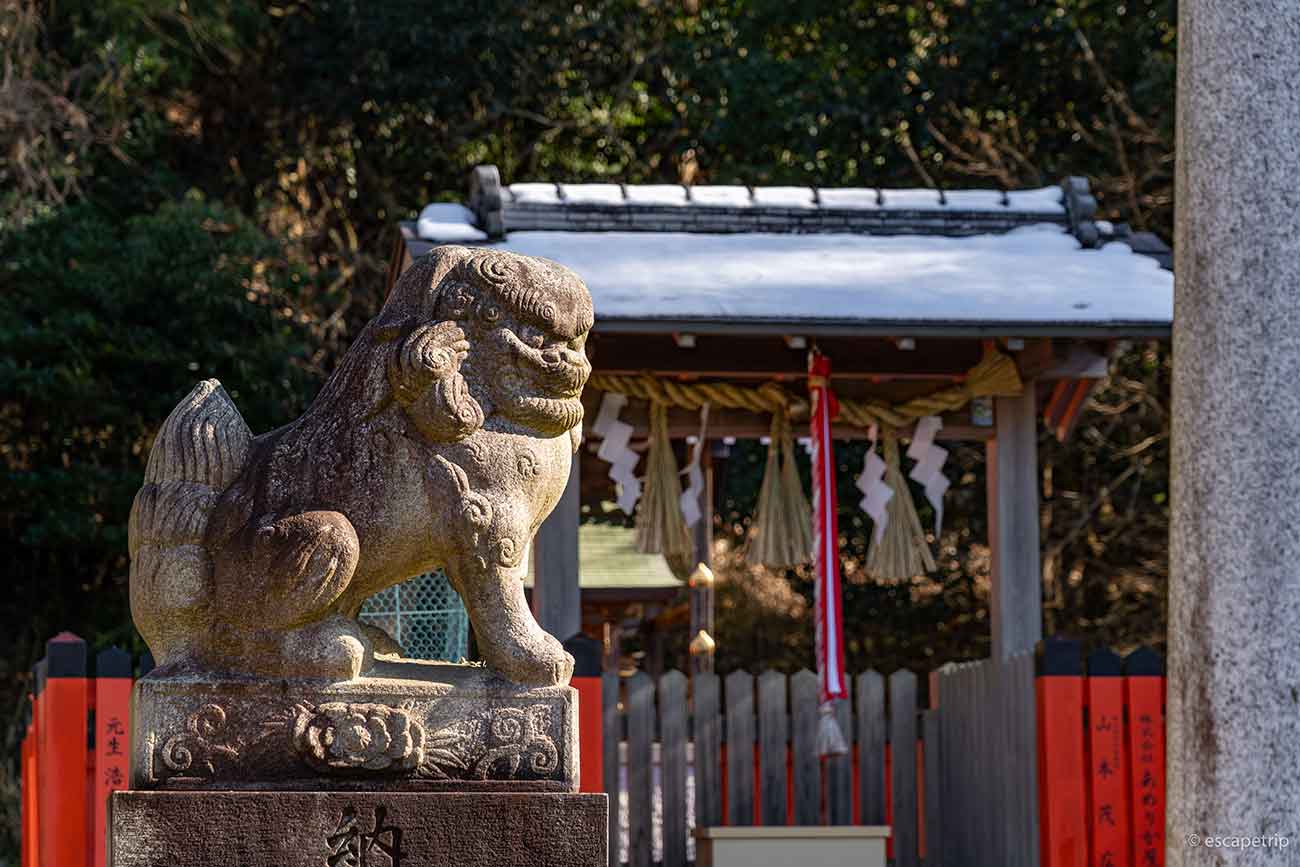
{"x": 193, "y": 189}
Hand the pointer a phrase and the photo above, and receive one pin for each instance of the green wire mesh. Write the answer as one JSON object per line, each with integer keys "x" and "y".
{"x": 424, "y": 615}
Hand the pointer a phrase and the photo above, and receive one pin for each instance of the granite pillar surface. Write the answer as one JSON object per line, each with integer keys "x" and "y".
{"x": 1234, "y": 612}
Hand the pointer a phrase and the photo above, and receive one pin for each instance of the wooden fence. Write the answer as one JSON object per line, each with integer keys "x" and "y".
{"x": 1018, "y": 763}
{"x": 741, "y": 750}
{"x": 1101, "y": 742}
{"x": 75, "y": 751}
{"x": 987, "y": 787}
{"x": 1011, "y": 767}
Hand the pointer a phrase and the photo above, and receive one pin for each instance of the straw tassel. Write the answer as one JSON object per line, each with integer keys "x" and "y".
{"x": 902, "y": 552}
{"x": 660, "y": 527}
{"x": 783, "y": 520}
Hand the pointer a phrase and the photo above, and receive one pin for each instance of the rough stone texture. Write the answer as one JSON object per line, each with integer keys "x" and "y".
{"x": 356, "y": 829}
{"x": 405, "y": 725}
{"x": 444, "y": 439}
{"x": 1234, "y": 613}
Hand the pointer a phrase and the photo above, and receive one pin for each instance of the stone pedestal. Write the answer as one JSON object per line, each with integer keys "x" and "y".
{"x": 406, "y": 725}
{"x": 357, "y": 829}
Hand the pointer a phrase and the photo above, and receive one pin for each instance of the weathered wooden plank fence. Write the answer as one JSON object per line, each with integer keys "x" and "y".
{"x": 986, "y": 767}
{"x": 741, "y": 750}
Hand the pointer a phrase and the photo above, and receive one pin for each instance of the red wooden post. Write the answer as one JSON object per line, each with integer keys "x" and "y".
{"x": 723, "y": 781}
{"x": 889, "y": 799}
{"x": 590, "y": 734}
{"x": 112, "y": 738}
{"x": 88, "y": 772}
{"x": 920, "y": 799}
{"x": 64, "y": 825}
{"x": 40, "y": 746}
{"x": 1144, "y": 693}
{"x": 1107, "y": 762}
{"x": 587, "y": 656}
{"x": 30, "y": 828}
{"x": 1061, "y": 768}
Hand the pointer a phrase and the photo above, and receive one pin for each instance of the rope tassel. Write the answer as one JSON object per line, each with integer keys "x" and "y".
{"x": 830, "y": 738}
{"x": 783, "y": 520}
{"x": 901, "y": 552}
{"x": 660, "y": 527}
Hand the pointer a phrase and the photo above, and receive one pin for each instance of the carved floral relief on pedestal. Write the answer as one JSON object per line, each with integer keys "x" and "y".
{"x": 346, "y": 739}
{"x": 337, "y": 736}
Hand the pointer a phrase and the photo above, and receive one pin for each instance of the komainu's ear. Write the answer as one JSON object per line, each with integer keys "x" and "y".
{"x": 416, "y": 292}
{"x": 424, "y": 373}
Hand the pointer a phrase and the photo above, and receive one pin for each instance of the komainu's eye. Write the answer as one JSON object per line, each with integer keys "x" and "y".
{"x": 532, "y": 336}
{"x": 491, "y": 312}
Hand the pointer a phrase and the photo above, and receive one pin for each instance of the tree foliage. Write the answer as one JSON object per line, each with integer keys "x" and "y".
{"x": 106, "y": 324}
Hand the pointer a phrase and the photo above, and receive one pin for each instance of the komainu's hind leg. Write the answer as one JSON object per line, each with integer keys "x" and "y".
{"x": 277, "y": 610}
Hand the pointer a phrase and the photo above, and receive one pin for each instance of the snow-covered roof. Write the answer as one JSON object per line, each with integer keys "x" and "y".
{"x": 1036, "y": 276}
{"x": 449, "y": 224}
{"x": 853, "y": 261}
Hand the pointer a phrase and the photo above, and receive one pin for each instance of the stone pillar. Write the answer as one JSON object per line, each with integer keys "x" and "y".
{"x": 1012, "y": 479}
{"x": 1234, "y": 591}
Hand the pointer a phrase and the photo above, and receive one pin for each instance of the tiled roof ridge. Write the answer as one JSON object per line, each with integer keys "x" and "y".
{"x": 600, "y": 207}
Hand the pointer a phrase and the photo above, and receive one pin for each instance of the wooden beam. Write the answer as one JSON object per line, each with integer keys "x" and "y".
{"x": 557, "y": 597}
{"x": 771, "y": 357}
{"x": 1012, "y": 470}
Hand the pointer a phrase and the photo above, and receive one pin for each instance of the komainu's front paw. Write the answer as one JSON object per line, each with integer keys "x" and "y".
{"x": 538, "y": 661}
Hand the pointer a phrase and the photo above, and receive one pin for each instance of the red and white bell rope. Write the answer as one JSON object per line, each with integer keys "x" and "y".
{"x": 830, "y": 620}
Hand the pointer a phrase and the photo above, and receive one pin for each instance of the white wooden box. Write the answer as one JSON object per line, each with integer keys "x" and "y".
{"x": 785, "y": 846}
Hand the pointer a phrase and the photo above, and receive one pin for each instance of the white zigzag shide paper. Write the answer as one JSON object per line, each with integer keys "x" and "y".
{"x": 614, "y": 449}
{"x": 876, "y": 494}
{"x": 928, "y": 471}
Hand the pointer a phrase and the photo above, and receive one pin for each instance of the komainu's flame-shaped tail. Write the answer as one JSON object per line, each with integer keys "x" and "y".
{"x": 198, "y": 453}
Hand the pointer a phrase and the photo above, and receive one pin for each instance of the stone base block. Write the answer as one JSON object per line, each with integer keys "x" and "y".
{"x": 406, "y": 724}
{"x": 357, "y": 829}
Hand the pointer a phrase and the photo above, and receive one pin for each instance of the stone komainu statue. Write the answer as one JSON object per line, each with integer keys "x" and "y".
{"x": 443, "y": 439}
